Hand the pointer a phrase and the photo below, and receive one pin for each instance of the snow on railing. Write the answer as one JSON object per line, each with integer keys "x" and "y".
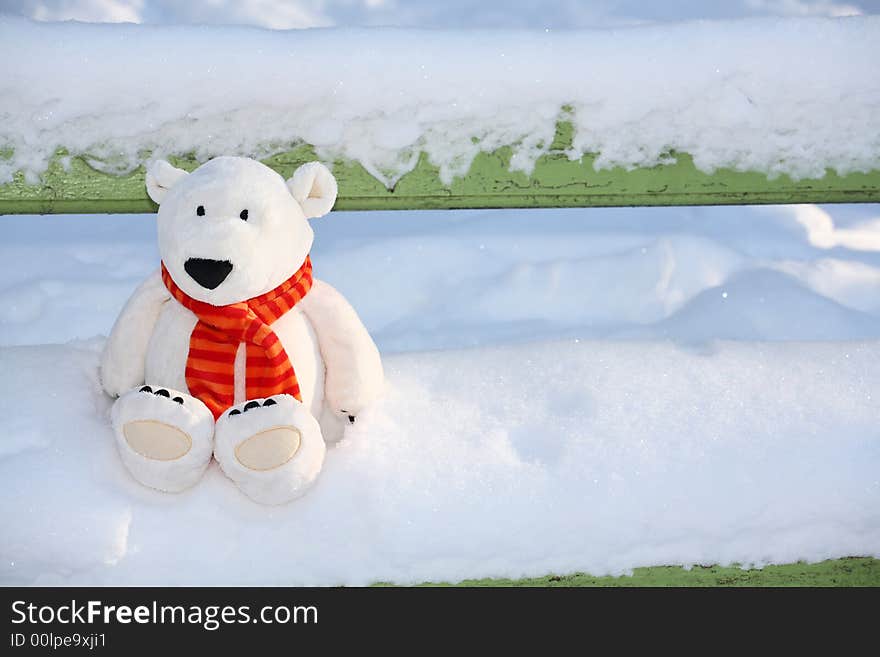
{"x": 772, "y": 96}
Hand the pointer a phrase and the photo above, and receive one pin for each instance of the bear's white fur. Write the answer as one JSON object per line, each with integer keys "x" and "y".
{"x": 336, "y": 362}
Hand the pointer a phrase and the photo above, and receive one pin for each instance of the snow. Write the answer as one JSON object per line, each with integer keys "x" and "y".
{"x": 800, "y": 96}
{"x": 470, "y": 278}
{"x": 510, "y": 461}
{"x": 286, "y": 14}
{"x": 568, "y": 390}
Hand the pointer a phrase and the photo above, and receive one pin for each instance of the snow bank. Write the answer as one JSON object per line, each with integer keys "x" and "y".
{"x": 508, "y": 462}
{"x": 461, "y": 279}
{"x": 778, "y": 96}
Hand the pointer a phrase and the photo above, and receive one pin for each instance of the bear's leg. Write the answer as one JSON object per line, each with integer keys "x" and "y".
{"x": 271, "y": 448}
{"x": 165, "y": 437}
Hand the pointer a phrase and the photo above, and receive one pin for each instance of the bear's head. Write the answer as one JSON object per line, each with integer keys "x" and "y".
{"x": 234, "y": 229}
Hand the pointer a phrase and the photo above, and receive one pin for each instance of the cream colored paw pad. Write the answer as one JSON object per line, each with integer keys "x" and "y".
{"x": 269, "y": 449}
{"x": 156, "y": 440}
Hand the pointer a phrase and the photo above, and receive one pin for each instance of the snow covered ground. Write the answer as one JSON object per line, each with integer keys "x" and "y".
{"x": 568, "y": 390}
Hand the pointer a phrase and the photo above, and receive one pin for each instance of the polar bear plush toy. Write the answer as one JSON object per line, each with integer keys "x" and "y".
{"x": 231, "y": 349}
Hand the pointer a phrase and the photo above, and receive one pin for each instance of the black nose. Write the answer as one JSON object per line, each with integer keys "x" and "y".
{"x": 208, "y": 273}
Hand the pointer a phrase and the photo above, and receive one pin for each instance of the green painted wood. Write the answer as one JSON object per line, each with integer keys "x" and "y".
{"x": 851, "y": 571}
{"x": 555, "y": 182}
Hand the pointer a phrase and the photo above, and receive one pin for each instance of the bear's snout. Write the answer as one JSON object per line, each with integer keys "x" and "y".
{"x": 208, "y": 273}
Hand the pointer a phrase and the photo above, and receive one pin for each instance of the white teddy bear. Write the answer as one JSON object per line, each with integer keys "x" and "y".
{"x": 231, "y": 349}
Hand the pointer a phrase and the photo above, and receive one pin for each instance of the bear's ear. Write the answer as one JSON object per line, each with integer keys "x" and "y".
{"x": 314, "y": 188}
{"x": 161, "y": 177}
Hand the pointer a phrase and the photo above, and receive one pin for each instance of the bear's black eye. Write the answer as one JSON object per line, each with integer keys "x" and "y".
{"x": 200, "y": 210}
{"x": 243, "y": 215}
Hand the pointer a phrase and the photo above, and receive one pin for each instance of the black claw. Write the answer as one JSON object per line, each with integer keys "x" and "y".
{"x": 179, "y": 400}
{"x": 162, "y": 393}
{"x": 146, "y": 389}
{"x": 351, "y": 419}
{"x": 234, "y": 411}
{"x": 269, "y": 402}
{"x": 250, "y": 405}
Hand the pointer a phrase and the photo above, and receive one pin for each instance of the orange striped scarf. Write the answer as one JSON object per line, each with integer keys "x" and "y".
{"x": 210, "y": 374}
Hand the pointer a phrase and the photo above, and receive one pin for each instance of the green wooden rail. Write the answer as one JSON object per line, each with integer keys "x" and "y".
{"x": 556, "y": 181}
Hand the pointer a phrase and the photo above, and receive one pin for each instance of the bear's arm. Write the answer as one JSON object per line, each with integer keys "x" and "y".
{"x": 354, "y": 369}
{"x": 124, "y": 357}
